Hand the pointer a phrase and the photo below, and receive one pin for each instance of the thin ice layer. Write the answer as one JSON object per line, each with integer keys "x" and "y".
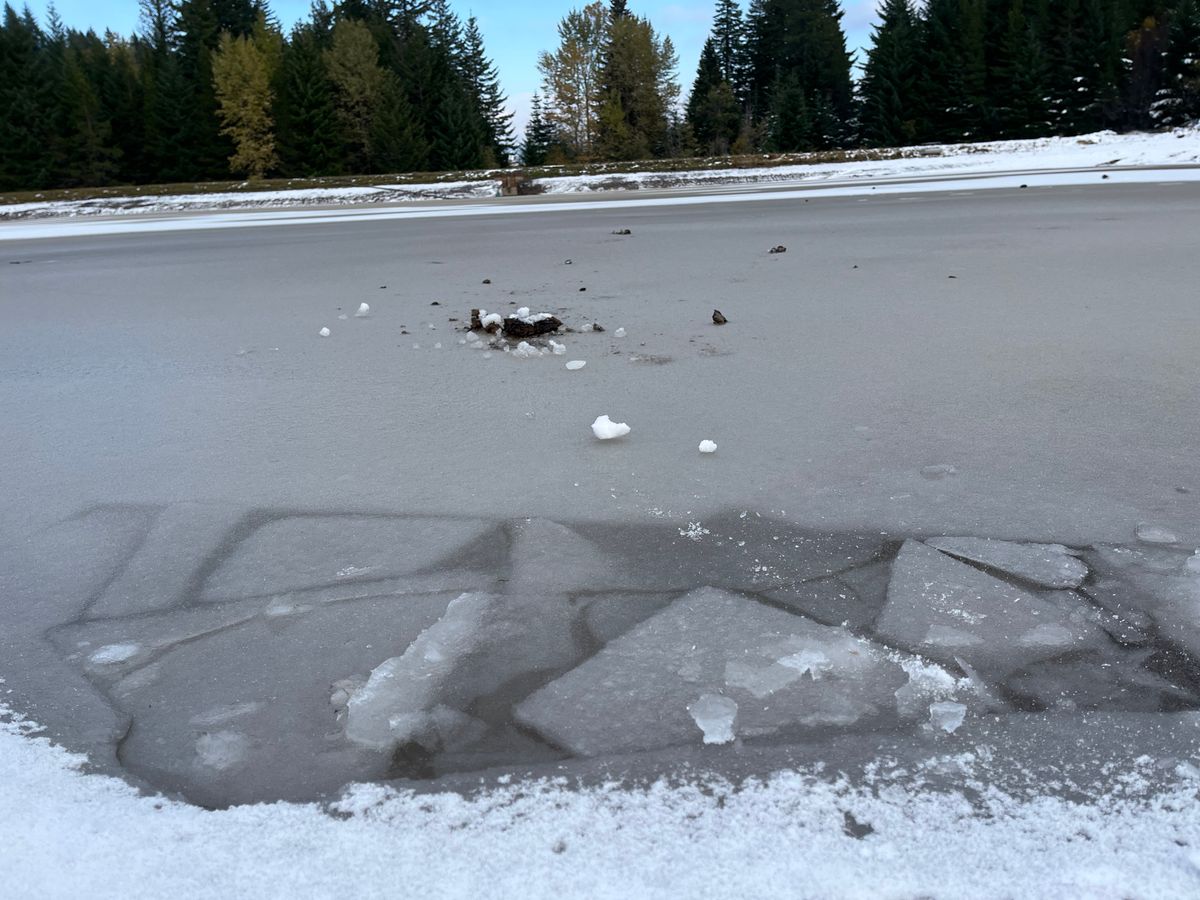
{"x": 1049, "y": 565}
{"x": 782, "y": 671}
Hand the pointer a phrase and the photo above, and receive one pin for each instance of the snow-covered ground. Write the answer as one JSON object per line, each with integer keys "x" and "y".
{"x": 1180, "y": 147}
{"x": 66, "y": 834}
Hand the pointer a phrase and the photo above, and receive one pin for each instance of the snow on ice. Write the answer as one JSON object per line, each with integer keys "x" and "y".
{"x": 576, "y": 364}
{"x": 364, "y": 310}
{"x": 324, "y": 332}
{"x": 708, "y": 447}
{"x": 605, "y": 429}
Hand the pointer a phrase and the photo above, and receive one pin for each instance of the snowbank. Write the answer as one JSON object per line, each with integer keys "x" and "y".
{"x": 69, "y": 834}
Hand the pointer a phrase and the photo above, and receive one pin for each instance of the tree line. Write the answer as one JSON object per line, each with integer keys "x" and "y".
{"x": 210, "y": 88}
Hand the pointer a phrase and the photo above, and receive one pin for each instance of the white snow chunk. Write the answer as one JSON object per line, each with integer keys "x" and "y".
{"x": 492, "y": 319}
{"x": 606, "y": 429}
{"x": 1155, "y": 534}
{"x": 716, "y": 716}
{"x": 586, "y": 328}
{"x": 114, "y": 654}
{"x": 526, "y": 350}
{"x": 576, "y": 364}
{"x": 557, "y": 348}
{"x": 324, "y": 332}
{"x": 364, "y": 310}
{"x": 221, "y": 750}
{"x": 708, "y": 447}
{"x": 522, "y": 312}
{"x": 620, "y": 332}
{"x": 947, "y": 715}
{"x": 1050, "y": 565}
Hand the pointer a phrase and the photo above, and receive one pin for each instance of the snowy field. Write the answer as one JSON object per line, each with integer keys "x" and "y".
{"x": 883, "y": 582}
{"x": 940, "y": 164}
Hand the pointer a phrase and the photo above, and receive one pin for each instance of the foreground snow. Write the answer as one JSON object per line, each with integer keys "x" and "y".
{"x": 1107, "y": 149}
{"x": 793, "y": 836}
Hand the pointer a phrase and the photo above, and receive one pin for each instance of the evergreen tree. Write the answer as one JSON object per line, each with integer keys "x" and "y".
{"x": 538, "y": 135}
{"x": 1178, "y": 100}
{"x": 307, "y": 125}
{"x": 729, "y": 40}
{"x": 24, "y": 103}
{"x": 461, "y": 136}
{"x": 638, "y": 90}
{"x": 889, "y": 80}
{"x": 713, "y": 111}
{"x": 352, "y": 63}
{"x": 483, "y": 85}
{"x": 243, "y": 71}
{"x": 571, "y": 95}
{"x": 397, "y": 141}
{"x": 1023, "y": 107}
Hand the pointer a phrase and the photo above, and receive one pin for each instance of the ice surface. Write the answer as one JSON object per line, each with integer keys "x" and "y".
{"x": 828, "y": 601}
{"x": 1114, "y": 681}
{"x": 270, "y": 682}
{"x": 364, "y": 310}
{"x": 605, "y": 429}
{"x": 945, "y": 609}
{"x": 324, "y": 332}
{"x": 557, "y": 349}
{"x": 1049, "y": 565}
{"x": 947, "y": 715}
{"x": 159, "y": 574}
{"x": 611, "y": 615}
{"x": 1155, "y": 534}
{"x": 708, "y": 447}
{"x": 1193, "y": 563}
{"x": 482, "y": 642}
{"x": 783, "y": 672}
{"x": 576, "y": 364}
{"x": 113, "y": 654}
{"x": 298, "y": 552}
{"x": 526, "y": 350}
{"x": 620, "y": 332}
{"x": 716, "y": 717}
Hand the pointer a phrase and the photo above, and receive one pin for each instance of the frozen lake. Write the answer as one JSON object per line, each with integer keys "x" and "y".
{"x": 953, "y": 504}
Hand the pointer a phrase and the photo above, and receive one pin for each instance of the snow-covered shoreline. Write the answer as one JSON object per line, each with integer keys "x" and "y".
{"x": 68, "y": 834}
{"x": 1180, "y": 147}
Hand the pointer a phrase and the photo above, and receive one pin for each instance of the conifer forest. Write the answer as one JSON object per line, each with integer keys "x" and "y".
{"x": 213, "y": 89}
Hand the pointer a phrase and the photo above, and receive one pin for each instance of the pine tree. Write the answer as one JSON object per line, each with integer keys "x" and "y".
{"x": 889, "y": 80}
{"x": 1023, "y": 103}
{"x": 306, "y": 122}
{"x": 483, "y": 84}
{"x": 571, "y": 96}
{"x": 1178, "y": 100}
{"x": 538, "y": 135}
{"x": 729, "y": 40}
{"x": 638, "y": 90}
{"x": 713, "y": 111}
{"x": 352, "y": 63}
{"x": 24, "y": 102}
{"x": 397, "y": 141}
{"x": 461, "y": 136}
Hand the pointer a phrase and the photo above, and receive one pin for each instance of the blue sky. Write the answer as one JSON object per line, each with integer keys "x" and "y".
{"x": 514, "y": 30}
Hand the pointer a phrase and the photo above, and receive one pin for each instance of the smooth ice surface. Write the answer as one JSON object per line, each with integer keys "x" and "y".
{"x": 606, "y": 429}
{"x": 783, "y": 672}
{"x": 308, "y": 551}
{"x": 1048, "y": 565}
{"x": 716, "y": 717}
{"x": 947, "y": 610}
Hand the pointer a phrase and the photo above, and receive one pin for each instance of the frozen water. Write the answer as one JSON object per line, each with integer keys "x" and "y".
{"x": 708, "y": 447}
{"x": 944, "y": 609}
{"x": 299, "y": 552}
{"x": 611, "y": 615}
{"x": 113, "y": 654}
{"x": 1048, "y": 565}
{"x": 1193, "y": 563}
{"x": 947, "y": 715}
{"x": 635, "y": 693}
{"x": 482, "y": 642}
{"x": 324, "y": 332}
{"x": 221, "y": 750}
{"x": 523, "y": 312}
{"x": 716, "y": 717}
{"x": 557, "y": 349}
{"x": 620, "y": 332}
{"x": 159, "y": 574}
{"x": 576, "y": 364}
{"x": 938, "y": 471}
{"x": 1114, "y": 681}
{"x": 606, "y": 429}
{"x": 364, "y": 310}
{"x": 1155, "y": 534}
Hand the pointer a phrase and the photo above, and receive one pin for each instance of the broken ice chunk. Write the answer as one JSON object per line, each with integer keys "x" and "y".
{"x": 1155, "y": 534}
{"x": 946, "y": 715}
{"x": 1049, "y": 565}
{"x": 944, "y": 609}
{"x": 575, "y": 365}
{"x": 324, "y": 332}
{"x": 606, "y": 429}
{"x": 364, "y": 310}
{"x": 523, "y": 312}
{"x": 526, "y": 350}
{"x": 558, "y": 349}
{"x": 221, "y": 750}
{"x": 708, "y": 447}
{"x": 716, "y": 716}
{"x": 620, "y": 332}
{"x": 114, "y": 654}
